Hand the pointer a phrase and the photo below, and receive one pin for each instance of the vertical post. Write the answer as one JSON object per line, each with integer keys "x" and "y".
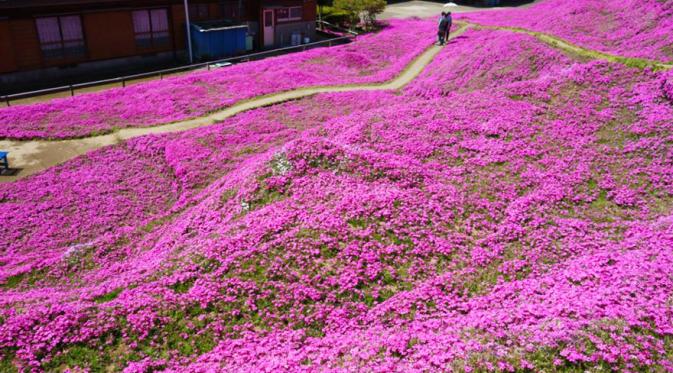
{"x": 72, "y": 91}
{"x": 7, "y": 100}
{"x": 319, "y": 16}
{"x": 189, "y": 33}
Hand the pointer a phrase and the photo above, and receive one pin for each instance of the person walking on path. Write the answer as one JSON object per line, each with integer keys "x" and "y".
{"x": 449, "y": 21}
{"x": 441, "y": 17}
{"x": 442, "y": 30}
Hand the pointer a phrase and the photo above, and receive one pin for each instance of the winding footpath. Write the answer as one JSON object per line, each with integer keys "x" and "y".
{"x": 571, "y": 48}
{"x": 32, "y": 156}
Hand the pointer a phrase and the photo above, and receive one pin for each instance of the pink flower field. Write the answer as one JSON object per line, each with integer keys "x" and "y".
{"x": 631, "y": 28}
{"x": 370, "y": 59}
{"x": 509, "y": 210}
{"x": 487, "y": 59}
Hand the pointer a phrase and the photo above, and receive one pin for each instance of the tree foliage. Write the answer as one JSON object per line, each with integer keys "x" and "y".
{"x": 361, "y": 11}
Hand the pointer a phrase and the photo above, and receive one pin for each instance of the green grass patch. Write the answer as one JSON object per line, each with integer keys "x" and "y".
{"x": 7, "y": 363}
{"x": 80, "y": 356}
{"x": 207, "y": 265}
{"x": 13, "y": 282}
{"x": 227, "y": 195}
{"x": 357, "y": 223}
{"x": 263, "y": 196}
{"x": 183, "y": 286}
{"x": 152, "y": 225}
{"x": 26, "y": 278}
{"x": 109, "y": 296}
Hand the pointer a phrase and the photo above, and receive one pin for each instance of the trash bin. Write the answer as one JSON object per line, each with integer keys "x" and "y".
{"x": 248, "y": 42}
{"x": 217, "y": 39}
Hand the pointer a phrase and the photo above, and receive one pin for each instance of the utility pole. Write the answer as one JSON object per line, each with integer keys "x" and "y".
{"x": 189, "y": 33}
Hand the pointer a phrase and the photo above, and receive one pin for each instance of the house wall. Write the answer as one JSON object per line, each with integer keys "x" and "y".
{"x": 283, "y": 30}
{"x": 177, "y": 15}
{"x": 26, "y": 46}
{"x": 215, "y": 11}
{"x": 7, "y": 61}
{"x": 109, "y": 38}
{"x": 109, "y": 34}
{"x": 310, "y": 12}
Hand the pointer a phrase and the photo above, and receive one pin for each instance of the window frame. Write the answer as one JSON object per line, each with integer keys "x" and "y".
{"x": 62, "y": 54}
{"x": 289, "y": 17}
{"x": 301, "y": 13}
{"x": 155, "y": 41}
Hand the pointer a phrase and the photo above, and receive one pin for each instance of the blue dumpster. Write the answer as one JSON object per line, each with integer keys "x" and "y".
{"x": 217, "y": 39}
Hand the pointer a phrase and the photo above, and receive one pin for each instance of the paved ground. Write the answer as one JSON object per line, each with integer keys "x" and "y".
{"x": 422, "y": 9}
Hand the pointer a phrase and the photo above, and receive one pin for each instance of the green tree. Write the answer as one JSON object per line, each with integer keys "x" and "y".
{"x": 321, "y": 5}
{"x": 350, "y": 7}
{"x": 363, "y": 11}
{"x": 371, "y": 8}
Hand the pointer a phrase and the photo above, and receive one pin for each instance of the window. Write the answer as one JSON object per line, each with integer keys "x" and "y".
{"x": 296, "y": 12}
{"x": 61, "y": 37}
{"x": 268, "y": 19}
{"x": 151, "y": 28}
{"x": 282, "y": 14}
{"x": 199, "y": 11}
{"x": 289, "y": 14}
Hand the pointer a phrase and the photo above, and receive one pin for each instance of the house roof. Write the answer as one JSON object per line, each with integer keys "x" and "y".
{"x": 23, "y": 4}
{"x": 208, "y": 26}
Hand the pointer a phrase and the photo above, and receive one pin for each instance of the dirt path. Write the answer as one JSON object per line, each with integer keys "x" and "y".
{"x": 564, "y": 45}
{"x": 37, "y": 155}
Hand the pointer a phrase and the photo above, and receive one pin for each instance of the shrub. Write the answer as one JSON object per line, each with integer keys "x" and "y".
{"x": 361, "y": 11}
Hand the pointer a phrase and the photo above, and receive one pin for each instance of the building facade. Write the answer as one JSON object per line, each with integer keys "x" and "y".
{"x": 57, "y": 40}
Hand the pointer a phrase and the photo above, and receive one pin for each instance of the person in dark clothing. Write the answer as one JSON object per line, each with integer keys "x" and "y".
{"x": 440, "y": 17}
{"x": 449, "y": 21}
{"x": 442, "y": 29}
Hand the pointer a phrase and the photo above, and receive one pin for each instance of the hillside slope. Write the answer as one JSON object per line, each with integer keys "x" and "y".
{"x": 511, "y": 209}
